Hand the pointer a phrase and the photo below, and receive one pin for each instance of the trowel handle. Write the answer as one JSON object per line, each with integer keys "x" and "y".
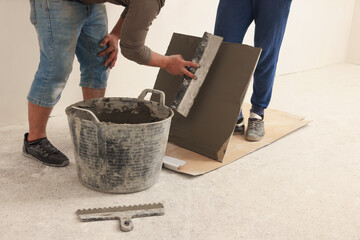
{"x": 126, "y": 224}
{"x": 88, "y": 111}
{"x": 146, "y": 91}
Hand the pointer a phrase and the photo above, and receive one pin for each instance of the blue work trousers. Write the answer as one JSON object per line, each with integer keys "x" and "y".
{"x": 270, "y": 16}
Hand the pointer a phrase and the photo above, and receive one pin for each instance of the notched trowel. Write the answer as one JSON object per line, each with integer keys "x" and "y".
{"x": 188, "y": 90}
{"x": 124, "y": 214}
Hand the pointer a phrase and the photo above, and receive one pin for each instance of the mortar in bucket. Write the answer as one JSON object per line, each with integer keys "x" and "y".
{"x": 119, "y": 143}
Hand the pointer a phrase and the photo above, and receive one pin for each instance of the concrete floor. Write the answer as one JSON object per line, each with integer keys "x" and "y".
{"x": 304, "y": 186}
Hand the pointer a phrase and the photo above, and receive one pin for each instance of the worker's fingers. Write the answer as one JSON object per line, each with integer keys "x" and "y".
{"x": 106, "y": 51}
{"x": 104, "y": 41}
{"x": 191, "y": 64}
{"x": 107, "y": 62}
{"x": 110, "y": 58}
{"x": 113, "y": 57}
{"x": 113, "y": 62}
{"x": 189, "y": 74}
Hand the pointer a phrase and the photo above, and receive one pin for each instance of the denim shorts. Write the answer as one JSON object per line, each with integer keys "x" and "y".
{"x": 66, "y": 28}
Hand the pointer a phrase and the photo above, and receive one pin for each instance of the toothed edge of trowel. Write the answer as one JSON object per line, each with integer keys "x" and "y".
{"x": 120, "y": 208}
{"x": 204, "y": 56}
{"x": 186, "y": 81}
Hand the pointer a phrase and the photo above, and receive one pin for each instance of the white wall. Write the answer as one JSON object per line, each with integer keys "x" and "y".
{"x": 354, "y": 43}
{"x": 317, "y": 35}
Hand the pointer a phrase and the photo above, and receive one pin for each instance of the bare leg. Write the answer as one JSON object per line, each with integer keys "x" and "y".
{"x": 38, "y": 117}
{"x": 89, "y": 93}
{"x": 42, "y": 150}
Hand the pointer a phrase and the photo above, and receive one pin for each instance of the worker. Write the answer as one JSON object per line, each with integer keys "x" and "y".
{"x": 66, "y": 28}
{"x": 270, "y": 16}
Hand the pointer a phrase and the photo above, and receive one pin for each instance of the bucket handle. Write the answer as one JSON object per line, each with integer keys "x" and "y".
{"x": 146, "y": 91}
{"x": 88, "y": 111}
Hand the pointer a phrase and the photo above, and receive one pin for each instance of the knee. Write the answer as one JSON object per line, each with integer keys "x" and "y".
{"x": 48, "y": 83}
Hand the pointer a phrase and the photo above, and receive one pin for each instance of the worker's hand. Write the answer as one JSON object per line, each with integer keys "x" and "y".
{"x": 176, "y": 65}
{"x": 112, "y": 41}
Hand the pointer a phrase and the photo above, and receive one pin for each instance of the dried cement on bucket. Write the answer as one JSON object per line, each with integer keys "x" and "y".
{"x": 122, "y": 150}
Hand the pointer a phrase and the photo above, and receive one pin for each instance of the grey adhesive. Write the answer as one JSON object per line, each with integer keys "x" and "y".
{"x": 188, "y": 90}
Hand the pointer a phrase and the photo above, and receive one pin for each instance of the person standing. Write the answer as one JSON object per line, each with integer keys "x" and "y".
{"x": 270, "y": 16}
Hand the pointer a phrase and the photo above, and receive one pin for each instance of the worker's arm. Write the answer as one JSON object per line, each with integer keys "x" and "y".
{"x": 174, "y": 64}
{"x": 139, "y": 15}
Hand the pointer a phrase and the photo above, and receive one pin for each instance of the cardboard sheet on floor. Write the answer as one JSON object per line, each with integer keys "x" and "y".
{"x": 277, "y": 125}
{"x": 209, "y": 125}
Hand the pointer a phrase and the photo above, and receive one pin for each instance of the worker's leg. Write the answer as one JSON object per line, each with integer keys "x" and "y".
{"x": 270, "y": 23}
{"x": 58, "y": 24}
{"x": 94, "y": 74}
{"x": 232, "y": 21}
{"x": 38, "y": 117}
{"x": 90, "y": 93}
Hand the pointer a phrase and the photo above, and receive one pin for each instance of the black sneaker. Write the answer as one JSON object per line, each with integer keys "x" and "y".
{"x": 239, "y": 127}
{"x": 45, "y": 152}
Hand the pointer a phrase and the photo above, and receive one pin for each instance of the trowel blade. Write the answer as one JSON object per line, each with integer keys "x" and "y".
{"x": 188, "y": 90}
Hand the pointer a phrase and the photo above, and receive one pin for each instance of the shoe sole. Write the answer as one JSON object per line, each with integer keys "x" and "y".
{"x": 253, "y": 139}
{"x": 47, "y": 164}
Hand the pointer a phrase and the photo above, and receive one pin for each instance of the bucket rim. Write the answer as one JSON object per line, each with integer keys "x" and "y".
{"x": 68, "y": 111}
